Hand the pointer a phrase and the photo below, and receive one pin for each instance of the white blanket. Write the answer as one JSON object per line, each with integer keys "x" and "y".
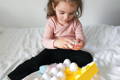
{"x": 18, "y": 45}
{"x": 104, "y": 42}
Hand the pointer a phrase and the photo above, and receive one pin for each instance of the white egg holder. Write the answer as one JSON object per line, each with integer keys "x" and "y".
{"x": 56, "y": 71}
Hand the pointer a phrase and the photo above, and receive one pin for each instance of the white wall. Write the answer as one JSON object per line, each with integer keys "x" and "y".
{"x": 22, "y": 13}
{"x": 101, "y": 12}
{"x": 30, "y": 13}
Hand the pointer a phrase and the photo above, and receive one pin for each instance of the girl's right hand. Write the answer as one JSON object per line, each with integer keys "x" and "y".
{"x": 64, "y": 43}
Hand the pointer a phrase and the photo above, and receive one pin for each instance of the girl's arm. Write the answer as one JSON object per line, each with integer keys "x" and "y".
{"x": 50, "y": 41}
{"x": 48, "y": 36}
{"x": 79, "y": 36}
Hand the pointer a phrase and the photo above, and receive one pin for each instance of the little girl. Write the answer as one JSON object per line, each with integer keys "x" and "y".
{"x": 63, "y": 38}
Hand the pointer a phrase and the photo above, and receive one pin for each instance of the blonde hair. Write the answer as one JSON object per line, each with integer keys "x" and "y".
{"x": 51, "y": 12}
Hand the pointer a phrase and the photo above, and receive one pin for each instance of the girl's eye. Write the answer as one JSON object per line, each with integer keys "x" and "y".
{"x": 71, "y": 14}
{"x": 61, "y": 13}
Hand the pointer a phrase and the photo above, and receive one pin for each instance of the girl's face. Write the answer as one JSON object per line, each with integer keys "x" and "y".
{"x": 65, "y": 12}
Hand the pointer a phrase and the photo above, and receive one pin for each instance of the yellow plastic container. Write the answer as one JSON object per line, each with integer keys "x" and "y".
{"x": 84, "y": 73}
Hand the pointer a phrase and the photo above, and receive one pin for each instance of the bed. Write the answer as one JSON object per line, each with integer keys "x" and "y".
{"x": 20, "y": 44}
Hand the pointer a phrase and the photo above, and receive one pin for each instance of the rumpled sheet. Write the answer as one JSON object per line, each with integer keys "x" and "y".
{"x": 101, "y": 40}
{"x": 16, "y": 46}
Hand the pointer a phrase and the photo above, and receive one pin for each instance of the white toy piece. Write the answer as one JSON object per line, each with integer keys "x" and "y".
{"x": 54, "y": 78}
{"x": 54, "y": 71}
{"x": 61, "y": 75}
{"x": 76, "y": 42}
{"x": 73, "y": 67}
{"x": 46, "y": 76}
{"x": 61, "y": 67}
{"x": 67, "y": 62}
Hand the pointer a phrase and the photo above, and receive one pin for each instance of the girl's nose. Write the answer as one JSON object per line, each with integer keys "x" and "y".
{"x": 66, "y": 17}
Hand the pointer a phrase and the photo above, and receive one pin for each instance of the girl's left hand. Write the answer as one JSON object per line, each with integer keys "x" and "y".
{"x": 78, "y": 45}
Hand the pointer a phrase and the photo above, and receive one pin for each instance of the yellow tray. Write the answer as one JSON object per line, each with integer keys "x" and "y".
{"x": 84, "y": 73}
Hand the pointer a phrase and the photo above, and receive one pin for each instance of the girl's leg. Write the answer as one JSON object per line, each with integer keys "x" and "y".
{"x": 82, "y": 58}
{"x": 31, "y": 65}
{"x": 49, "y": 56}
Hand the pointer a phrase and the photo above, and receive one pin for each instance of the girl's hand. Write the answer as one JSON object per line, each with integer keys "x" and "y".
{"x": 78, "y": 45}
{"x": 64, "y": 43}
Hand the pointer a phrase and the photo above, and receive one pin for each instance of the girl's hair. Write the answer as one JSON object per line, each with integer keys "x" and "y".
{"x": 51, "y": 12}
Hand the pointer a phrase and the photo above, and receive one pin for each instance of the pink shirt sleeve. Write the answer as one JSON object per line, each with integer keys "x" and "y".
{"x": 79, "y": 31}
{"x": 48, "y": 37}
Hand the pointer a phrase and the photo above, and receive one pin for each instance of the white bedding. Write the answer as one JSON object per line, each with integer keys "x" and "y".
{"x": 20, "y": 44}
{"x": 104, "y": 42}
{"x": 17, "y": 45}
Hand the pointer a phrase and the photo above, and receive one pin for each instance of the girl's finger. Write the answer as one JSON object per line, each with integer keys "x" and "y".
{"x": 69, "y": 41}
{"x": 64, "y": 45}
{"x": 70, "y": 45}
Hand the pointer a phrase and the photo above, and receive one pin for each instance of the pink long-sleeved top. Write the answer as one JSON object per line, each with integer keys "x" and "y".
{"x": 54, "y": 30}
